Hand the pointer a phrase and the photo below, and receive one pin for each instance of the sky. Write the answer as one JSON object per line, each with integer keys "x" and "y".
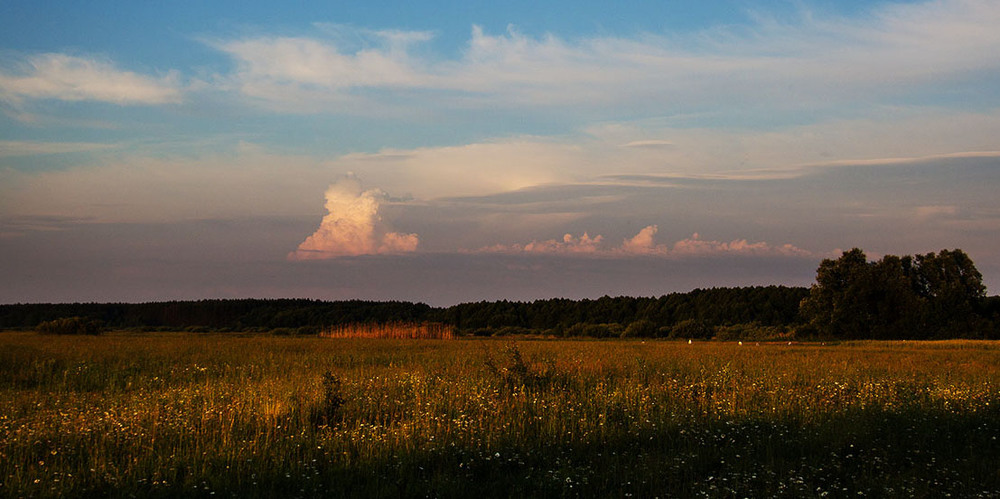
{"x": 447, "y": 152}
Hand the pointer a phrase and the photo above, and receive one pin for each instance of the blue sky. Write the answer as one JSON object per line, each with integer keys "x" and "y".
{"x": 518, "y": 150}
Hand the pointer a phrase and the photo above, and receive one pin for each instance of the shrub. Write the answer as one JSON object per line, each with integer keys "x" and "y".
{"x": 70, "y": 325}
{"x": 691, "y": 328}
{"x": 640, "y": 329}
{"x": 328, "y": 411}
{"x": 575, "y": 330}
{"x": 511, "y": 331}
{"x": 603, "y": 330}
{"x": 752, "y": 331}
{"x": 515, "y": 372}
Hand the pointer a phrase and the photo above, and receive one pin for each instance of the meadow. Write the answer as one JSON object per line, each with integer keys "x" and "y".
{"x": 210, "y": 415}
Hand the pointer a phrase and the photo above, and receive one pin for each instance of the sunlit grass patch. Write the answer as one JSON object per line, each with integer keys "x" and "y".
{"x": 183, "y": 414}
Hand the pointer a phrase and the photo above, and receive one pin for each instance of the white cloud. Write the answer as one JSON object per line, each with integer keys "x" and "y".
{"x": 644, "y": 244}
{"x": 568, "y": 245}
{"x": 10, "y": 148}
{"x": 167, "y": 188}
{"x": 158, "y": 187}
{"x": 307, "y": 75}
{"x": 307, "y": 61}
{"x": 932, "y": 212}
{"x": 695, "y": 246}
{"x": 353, "y": 226}
{"x": 472, "y": 169}
{"x": 651, "y": 144}
{"x": 518, "y": 163}
{"x": 889, "y": 135}
{"x": 813, "y": 61}
{"x": 641, "y": 243}
{"x": 71, "y": 78}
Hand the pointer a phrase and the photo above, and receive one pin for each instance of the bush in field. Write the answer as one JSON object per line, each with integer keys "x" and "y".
{"x": 70, "y": 325}
{"x": 640, "y": 329}
{"x": 753, "y": 332}
{"x": 511, "y": 368}
{"x": 691, "y": 328}
{"x": 328, "y": 411}
{"x": 511, "y": 331}
{"x": 603, "y": 330}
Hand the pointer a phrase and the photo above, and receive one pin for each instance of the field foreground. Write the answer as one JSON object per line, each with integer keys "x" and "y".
{"x": 260, "y": 416}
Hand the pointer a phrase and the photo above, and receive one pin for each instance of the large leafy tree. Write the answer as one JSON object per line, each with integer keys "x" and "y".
{"x": 932, "y": 295}
{"x": 838, "y": 304}
{"x": 953, "y": 290}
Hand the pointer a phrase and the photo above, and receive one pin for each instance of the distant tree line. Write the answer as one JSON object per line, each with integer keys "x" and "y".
{"x": 218, "y": 315}
{"x": 697, "y": 312}
{"x": 936, "y": 295}
{"x": 606, "y": 316}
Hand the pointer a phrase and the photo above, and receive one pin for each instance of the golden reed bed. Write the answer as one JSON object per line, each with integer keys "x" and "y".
{"x": 396, "y": 330}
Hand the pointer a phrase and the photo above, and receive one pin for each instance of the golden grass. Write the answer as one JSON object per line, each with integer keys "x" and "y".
{"x": 393, "y": 331}
{"x": 182, "y": 415}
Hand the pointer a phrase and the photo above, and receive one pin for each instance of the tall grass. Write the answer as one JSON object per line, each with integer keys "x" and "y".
{"x": 394, "y": 330}
{"x": 176, "y": 414}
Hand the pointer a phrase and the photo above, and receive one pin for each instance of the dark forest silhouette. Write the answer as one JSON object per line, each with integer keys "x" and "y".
{"x": 937, "y": 295}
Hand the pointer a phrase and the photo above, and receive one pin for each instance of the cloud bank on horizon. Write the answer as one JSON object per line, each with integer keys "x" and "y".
{"x": 644, "y": 244}
{"x": 733, "y": 130}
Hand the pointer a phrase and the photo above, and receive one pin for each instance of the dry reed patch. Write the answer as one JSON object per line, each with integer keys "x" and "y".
{"x": 395, "y": 331}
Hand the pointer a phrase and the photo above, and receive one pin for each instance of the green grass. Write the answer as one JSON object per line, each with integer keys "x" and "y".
{"x": 162, "y": 415}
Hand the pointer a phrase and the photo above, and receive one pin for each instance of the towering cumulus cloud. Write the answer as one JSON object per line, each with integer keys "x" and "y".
{"x": 352, "y": 226}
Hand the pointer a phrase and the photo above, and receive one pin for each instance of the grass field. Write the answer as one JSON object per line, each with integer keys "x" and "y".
{"x": 163, "y": 415}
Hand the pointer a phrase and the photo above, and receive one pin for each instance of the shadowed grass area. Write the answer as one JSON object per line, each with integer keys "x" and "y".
{"x": 258, "y": 416}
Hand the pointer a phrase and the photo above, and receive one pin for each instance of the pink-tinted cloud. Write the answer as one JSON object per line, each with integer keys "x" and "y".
{"x": 644, "y": 243}
{"x": 641, "y": 243}
{"x": 694, "y": 245}
{"x": 353, "y": 226}
{"x": 568, "y": 245}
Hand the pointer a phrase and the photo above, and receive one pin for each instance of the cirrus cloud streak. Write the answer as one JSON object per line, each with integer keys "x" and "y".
{"x": 810, "y": 61}
{"x": 72, "y": 78}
